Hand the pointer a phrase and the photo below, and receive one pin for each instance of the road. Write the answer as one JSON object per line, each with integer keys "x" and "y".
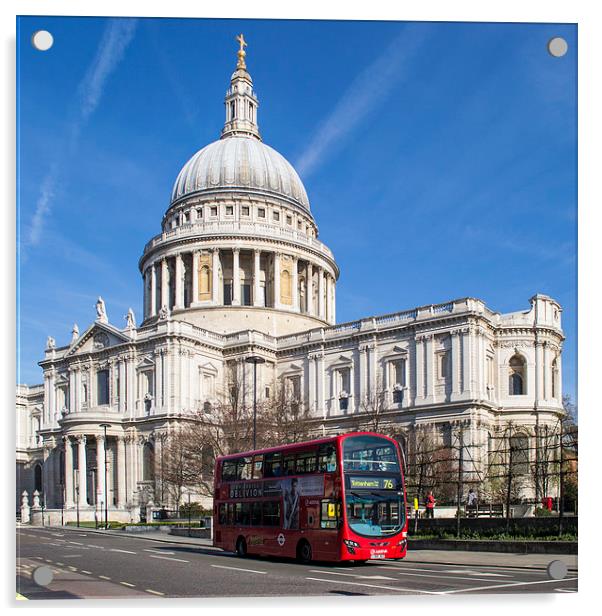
{"x": 93, "y": 565}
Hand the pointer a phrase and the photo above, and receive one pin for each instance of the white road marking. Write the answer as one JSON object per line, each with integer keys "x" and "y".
{"x": 104, "y": 577}
{"x": 128, "y": 584}
{"x": 123, "y": 551}
{"x": 564, "y": 590}
{"x": 158, "y": 551}
{"x": 179, "y": 560}
{"x": 59, "y": 564}
{"x": 155, "y": 592}
{"x": 76, "y": 543}
{"x": 451, "y": 592}
{"x": 390, "y": 588}
{"x": 483, "y": 573}
{"x": 87, "y": 572}
{"x": 443, "y": 575}
{"x": 238, "y": 569}
{"x": 355, "y": 575}
{"x": 100, "y": 547}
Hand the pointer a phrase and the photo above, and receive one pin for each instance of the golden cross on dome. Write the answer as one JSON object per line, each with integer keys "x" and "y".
{"x": 241, "y": 39}
{"x": 241, "y": 52}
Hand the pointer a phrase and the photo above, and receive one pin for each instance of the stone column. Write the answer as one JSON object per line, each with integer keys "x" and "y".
{"x": 276, "y": 280}
{"x": 153, "y": 290}
{"x": 72, "y": 389}
{"x": 539, "y": 370}
{"x": 455, "y": 363}
{"x": 81, "y": 473}
{"x": 419, "y": 343}
{"x": 256, "y": 278}
{"x": 320, "y": 403}
{"x": 68, "y": 479}
{"x": 236, "y": 276}
{"x": 311, "y": 374}
{"x": 52, "y": 401}
{"x": 179, "y": 287}
{"x": 328, "y": 298}
{"x": 78, "y": 390}
{"x": 164, "y": 284}
{"x": 215, "y": 277}
{"x": 547, "y": 373}
{"x": 429, "y": 368}
{"x": 333, "y": 311}
{"x": 100, "y": 467}
{"x": 120, "y": 463}
{"x": 310, "y": 289}
{"x": 321, "y": 312}
{"x": 122, "y": 377}
{"x": 46, "y": 473}
{"x": 295, "y": 274}
{"x": 466, "y": 363}
{"x": 195, "y": 277}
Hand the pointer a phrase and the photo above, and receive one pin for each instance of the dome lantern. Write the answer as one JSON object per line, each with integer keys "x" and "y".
{"x": 241, "y": 102}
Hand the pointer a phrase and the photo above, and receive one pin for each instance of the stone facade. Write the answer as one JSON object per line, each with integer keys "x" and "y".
{"x": 238, "y": 270}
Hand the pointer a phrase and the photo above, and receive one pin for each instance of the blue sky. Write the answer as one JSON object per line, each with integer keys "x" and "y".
{"x": 439, "y": 158}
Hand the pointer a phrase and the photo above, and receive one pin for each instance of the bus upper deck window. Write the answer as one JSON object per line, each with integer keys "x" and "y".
{"x": 258, "y": 467}
{"x": 327, "y": 459}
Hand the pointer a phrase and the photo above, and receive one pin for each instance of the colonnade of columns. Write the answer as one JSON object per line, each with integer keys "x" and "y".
{"x": 216, "y": 277}
{"x": 84, "y": 486}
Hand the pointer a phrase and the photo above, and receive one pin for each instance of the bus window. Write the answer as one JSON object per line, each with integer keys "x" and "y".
{"x": 256, "y": 514}
{"x": 258, "y": 466}
{"x": 273, "y": 467}
{"x": 242, "y": 513}
{"x": 230, "y": 518}
{"x": 288, "y": 464}
{"x": 223, "y": 514}
{"x": 244, "y": 468}
{"x": 229, "y": 470}
{"x": 329, "y": 514}
{"x": 306, "y": 462}
{"x": 327, "y": 459}
{"x": 271, "y": 513}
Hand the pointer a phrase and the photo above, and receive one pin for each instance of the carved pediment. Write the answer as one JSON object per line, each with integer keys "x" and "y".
{"x": 97, "y": 337}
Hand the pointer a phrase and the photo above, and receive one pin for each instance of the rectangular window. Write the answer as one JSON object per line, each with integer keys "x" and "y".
{"x": 213, "y": 210}
{"x": 289, "y": 220}
{"x": 261, "y": 212}
{"x": 271, "y": 513}
{"x": 245, "y": 294}
{"x": 276, "y": 216}
{"x": 244, "y": 468}
{"x": 228, "y": 470}
{"x": 273, "y": 465}
{"x": 229, "y": 210}
{"x": 288, "y": 464}
{"x": 245, "y": 210}
{"x": 199, "y": 212}
{"x": 327, "y": 459}
{"x": 306, "y": 462}
{"x": 255, "y": 514}
{"x": 227, "y": 293}
{"x": 223, "y": 514}
{"x": 443, "y": 365}
{"x": 102, "y": 387}
{"x": 258, "y": 467}
{"x": 329, "y": 514}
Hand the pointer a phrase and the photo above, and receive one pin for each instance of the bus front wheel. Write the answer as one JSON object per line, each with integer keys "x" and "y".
{"x": 241, "y": 547}
{"x": 304, "y": 553}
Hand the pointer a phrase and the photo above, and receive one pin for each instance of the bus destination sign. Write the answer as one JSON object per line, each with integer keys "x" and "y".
{"x": 372, "y": 483}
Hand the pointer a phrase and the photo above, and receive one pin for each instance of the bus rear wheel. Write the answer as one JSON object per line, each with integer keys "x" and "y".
{"x": 304, "y": 553}
{"x": 241, "y": 547}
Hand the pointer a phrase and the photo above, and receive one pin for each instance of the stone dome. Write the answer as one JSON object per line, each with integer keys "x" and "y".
{"x": 238, "y": 163}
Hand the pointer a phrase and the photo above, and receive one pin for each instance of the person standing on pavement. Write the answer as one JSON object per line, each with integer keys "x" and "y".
{"x": 471, "y": 502}
{"x": 430, "y": 505}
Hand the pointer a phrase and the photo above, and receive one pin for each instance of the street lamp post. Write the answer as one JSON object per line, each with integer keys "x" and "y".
{"x": 255, "y": 359}
{"x": 76, "y": 483}
{"x": 104, "y": 426}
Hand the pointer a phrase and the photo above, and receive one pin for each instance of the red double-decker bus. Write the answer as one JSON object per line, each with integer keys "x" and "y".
{"x": 332, "y": 499}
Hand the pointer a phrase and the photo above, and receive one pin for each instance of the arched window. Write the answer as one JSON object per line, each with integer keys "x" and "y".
{"x": 517, "y": 376}
{"x": 286, "y": 287}
{"x": 519, "y": 452}
{"x": 148, "y": 462}
{"x": 37, "y": 478}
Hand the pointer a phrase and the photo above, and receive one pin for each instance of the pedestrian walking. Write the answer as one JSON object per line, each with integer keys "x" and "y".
{"x": 471, "y": 503}
{"x": 430, "y": 505}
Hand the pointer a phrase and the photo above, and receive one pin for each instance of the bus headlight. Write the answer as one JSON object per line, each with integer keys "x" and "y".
{"x": 351, "y": 544}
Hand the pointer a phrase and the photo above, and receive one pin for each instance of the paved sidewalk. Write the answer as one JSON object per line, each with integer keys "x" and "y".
{"x": 455, "y": 557}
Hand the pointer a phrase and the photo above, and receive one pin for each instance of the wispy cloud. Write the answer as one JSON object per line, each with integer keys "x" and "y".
{"x": 116, "y": 37}
{"x": 368, "y": 90}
